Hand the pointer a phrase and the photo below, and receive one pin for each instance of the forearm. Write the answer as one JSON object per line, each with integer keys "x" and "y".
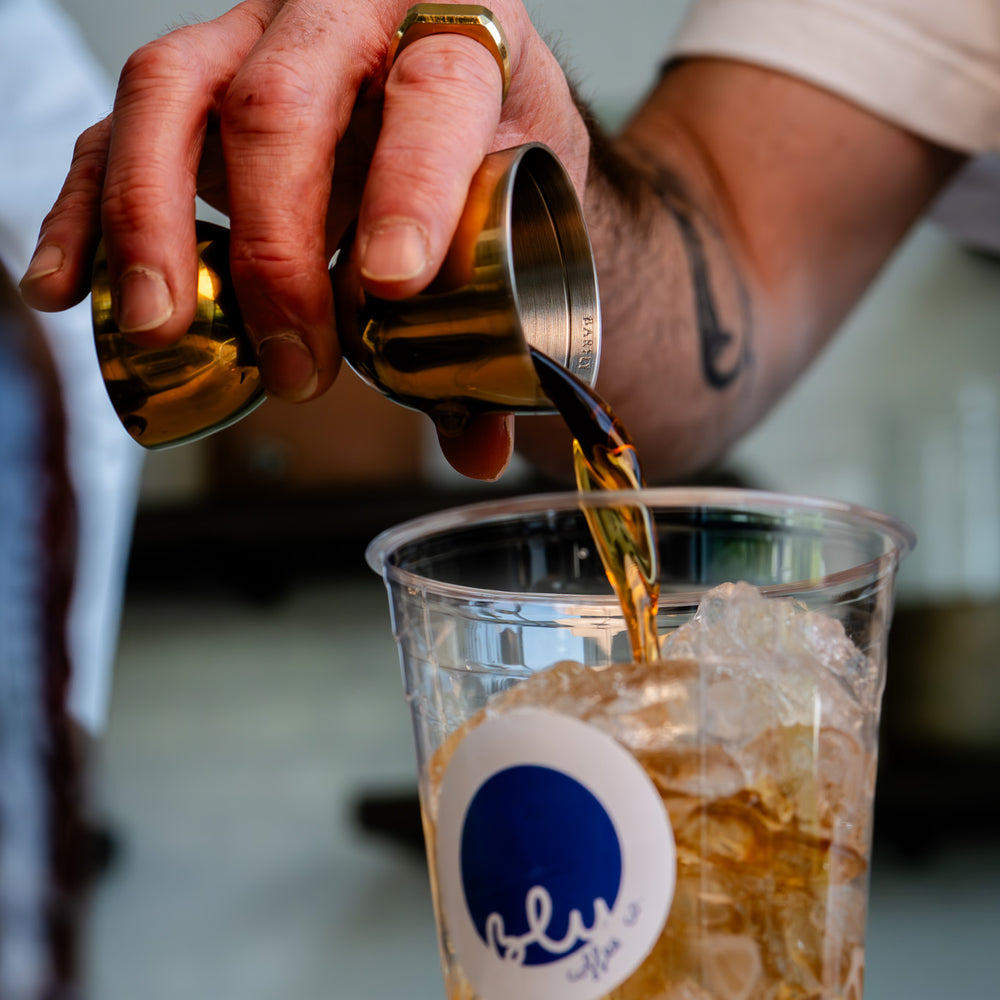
{"x": 679, "y": 361}
{"x": 735, "y": 221}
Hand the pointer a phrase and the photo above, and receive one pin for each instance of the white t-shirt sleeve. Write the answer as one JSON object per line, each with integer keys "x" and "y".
{"x": 931, "y": 66}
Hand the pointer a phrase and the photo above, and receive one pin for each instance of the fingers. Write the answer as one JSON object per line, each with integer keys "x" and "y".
{"x": 443, "y": 112}
{"x": 442, "y": 109}
{"x": 134, "y": 178}
{"x": 484, "y": 449}
{"x": 58, "y": 275}
{"x": 168, "y": 93}
{"x": 284, "y": 114}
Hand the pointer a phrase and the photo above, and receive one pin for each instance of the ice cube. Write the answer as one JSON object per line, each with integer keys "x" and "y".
{"x": 731, "y": 965}
{"x": 644, "y": 706}
{"x": 773, "y": 656}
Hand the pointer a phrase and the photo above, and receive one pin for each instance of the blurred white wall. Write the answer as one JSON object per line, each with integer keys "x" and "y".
{"x": 115, "y": 28}
{"x": 902, "y": 413}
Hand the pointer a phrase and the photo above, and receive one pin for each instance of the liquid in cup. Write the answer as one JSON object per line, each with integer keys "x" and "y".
{"x": 696, "y": 827}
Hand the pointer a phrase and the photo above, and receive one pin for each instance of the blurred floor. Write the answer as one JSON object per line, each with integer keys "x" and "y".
{"x": 239, "y": 739}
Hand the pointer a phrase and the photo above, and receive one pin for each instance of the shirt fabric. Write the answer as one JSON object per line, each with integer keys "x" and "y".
{"x": 52, "y": 90}
{"x": 929, "y": 66}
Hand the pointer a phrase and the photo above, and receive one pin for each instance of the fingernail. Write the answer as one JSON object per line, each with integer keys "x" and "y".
{"x": 46, "y": 260}
{"x": 288, "y": 367}
{"x": 394, "y": 252}
{"x": 144, "y": 300}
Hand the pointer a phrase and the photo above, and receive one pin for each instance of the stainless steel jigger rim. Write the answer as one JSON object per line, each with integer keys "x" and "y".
{"x": 519, "y": 273}
{"x": 576, "y": 344}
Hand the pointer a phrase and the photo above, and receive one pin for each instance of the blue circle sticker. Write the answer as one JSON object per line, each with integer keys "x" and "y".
{"x": 538, "y": 876}
{"x": 555, "y": 858}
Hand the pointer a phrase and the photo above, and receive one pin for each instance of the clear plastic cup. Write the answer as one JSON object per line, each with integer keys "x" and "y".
{"x": 693, "y": 828}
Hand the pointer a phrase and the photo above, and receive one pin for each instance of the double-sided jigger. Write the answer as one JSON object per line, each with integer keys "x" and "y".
{"x": 519, "y": 272}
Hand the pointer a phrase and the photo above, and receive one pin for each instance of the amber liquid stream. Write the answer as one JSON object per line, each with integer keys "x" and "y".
{"x": 605, "y": 458}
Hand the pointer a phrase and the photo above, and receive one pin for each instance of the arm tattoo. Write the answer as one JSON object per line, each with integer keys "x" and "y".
{"x": 713, "y": 337}
{"x": 725, "y": 352}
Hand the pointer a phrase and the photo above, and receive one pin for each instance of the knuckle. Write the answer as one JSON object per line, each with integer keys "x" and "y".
{"x": 429, "y": 178}
{"x": 76, "y": 209}
{"x": 272, "y": 95}
{"x": 133, "y": 199}
{"x": 256, "y": 18}
{"x": 269, "y": 258}
{"x": 93, "y": 140}
{"x": 276, "y": 270}
{"x": 90, "y": 160}
{"x": 264, "y": 248}
{"x": 446, "y": 67}
{"x": 73, "y": 205}
{"x": 163, "y": 61}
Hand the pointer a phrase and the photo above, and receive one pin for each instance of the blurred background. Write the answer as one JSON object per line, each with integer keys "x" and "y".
{"x": 256, "y": 704}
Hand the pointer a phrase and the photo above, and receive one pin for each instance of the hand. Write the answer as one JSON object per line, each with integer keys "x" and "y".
{"x": 280, "y": 113}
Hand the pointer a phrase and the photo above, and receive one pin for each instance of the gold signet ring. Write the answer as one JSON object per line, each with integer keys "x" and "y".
{"x": 471, "y": 20}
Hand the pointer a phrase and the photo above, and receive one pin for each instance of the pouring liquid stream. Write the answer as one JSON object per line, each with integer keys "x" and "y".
{"x": 605, "y": 458}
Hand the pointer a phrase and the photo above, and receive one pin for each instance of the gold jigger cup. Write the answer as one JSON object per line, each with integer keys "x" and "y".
{"x": 519, "y": 273}
{"x": 207, "y": 380}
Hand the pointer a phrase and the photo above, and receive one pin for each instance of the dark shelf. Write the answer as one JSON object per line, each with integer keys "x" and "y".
{"x": 260, "y": 545}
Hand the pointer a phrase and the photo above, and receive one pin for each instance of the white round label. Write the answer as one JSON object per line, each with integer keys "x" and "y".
{"x": 555, "y": 858}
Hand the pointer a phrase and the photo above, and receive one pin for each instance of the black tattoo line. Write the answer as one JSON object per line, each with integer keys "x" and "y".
{"x": 715, "y": 339}
{"x": 632, "y": 181}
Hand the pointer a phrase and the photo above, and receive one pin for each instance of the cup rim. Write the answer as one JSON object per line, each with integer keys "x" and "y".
{"x": 899, "y": 536}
